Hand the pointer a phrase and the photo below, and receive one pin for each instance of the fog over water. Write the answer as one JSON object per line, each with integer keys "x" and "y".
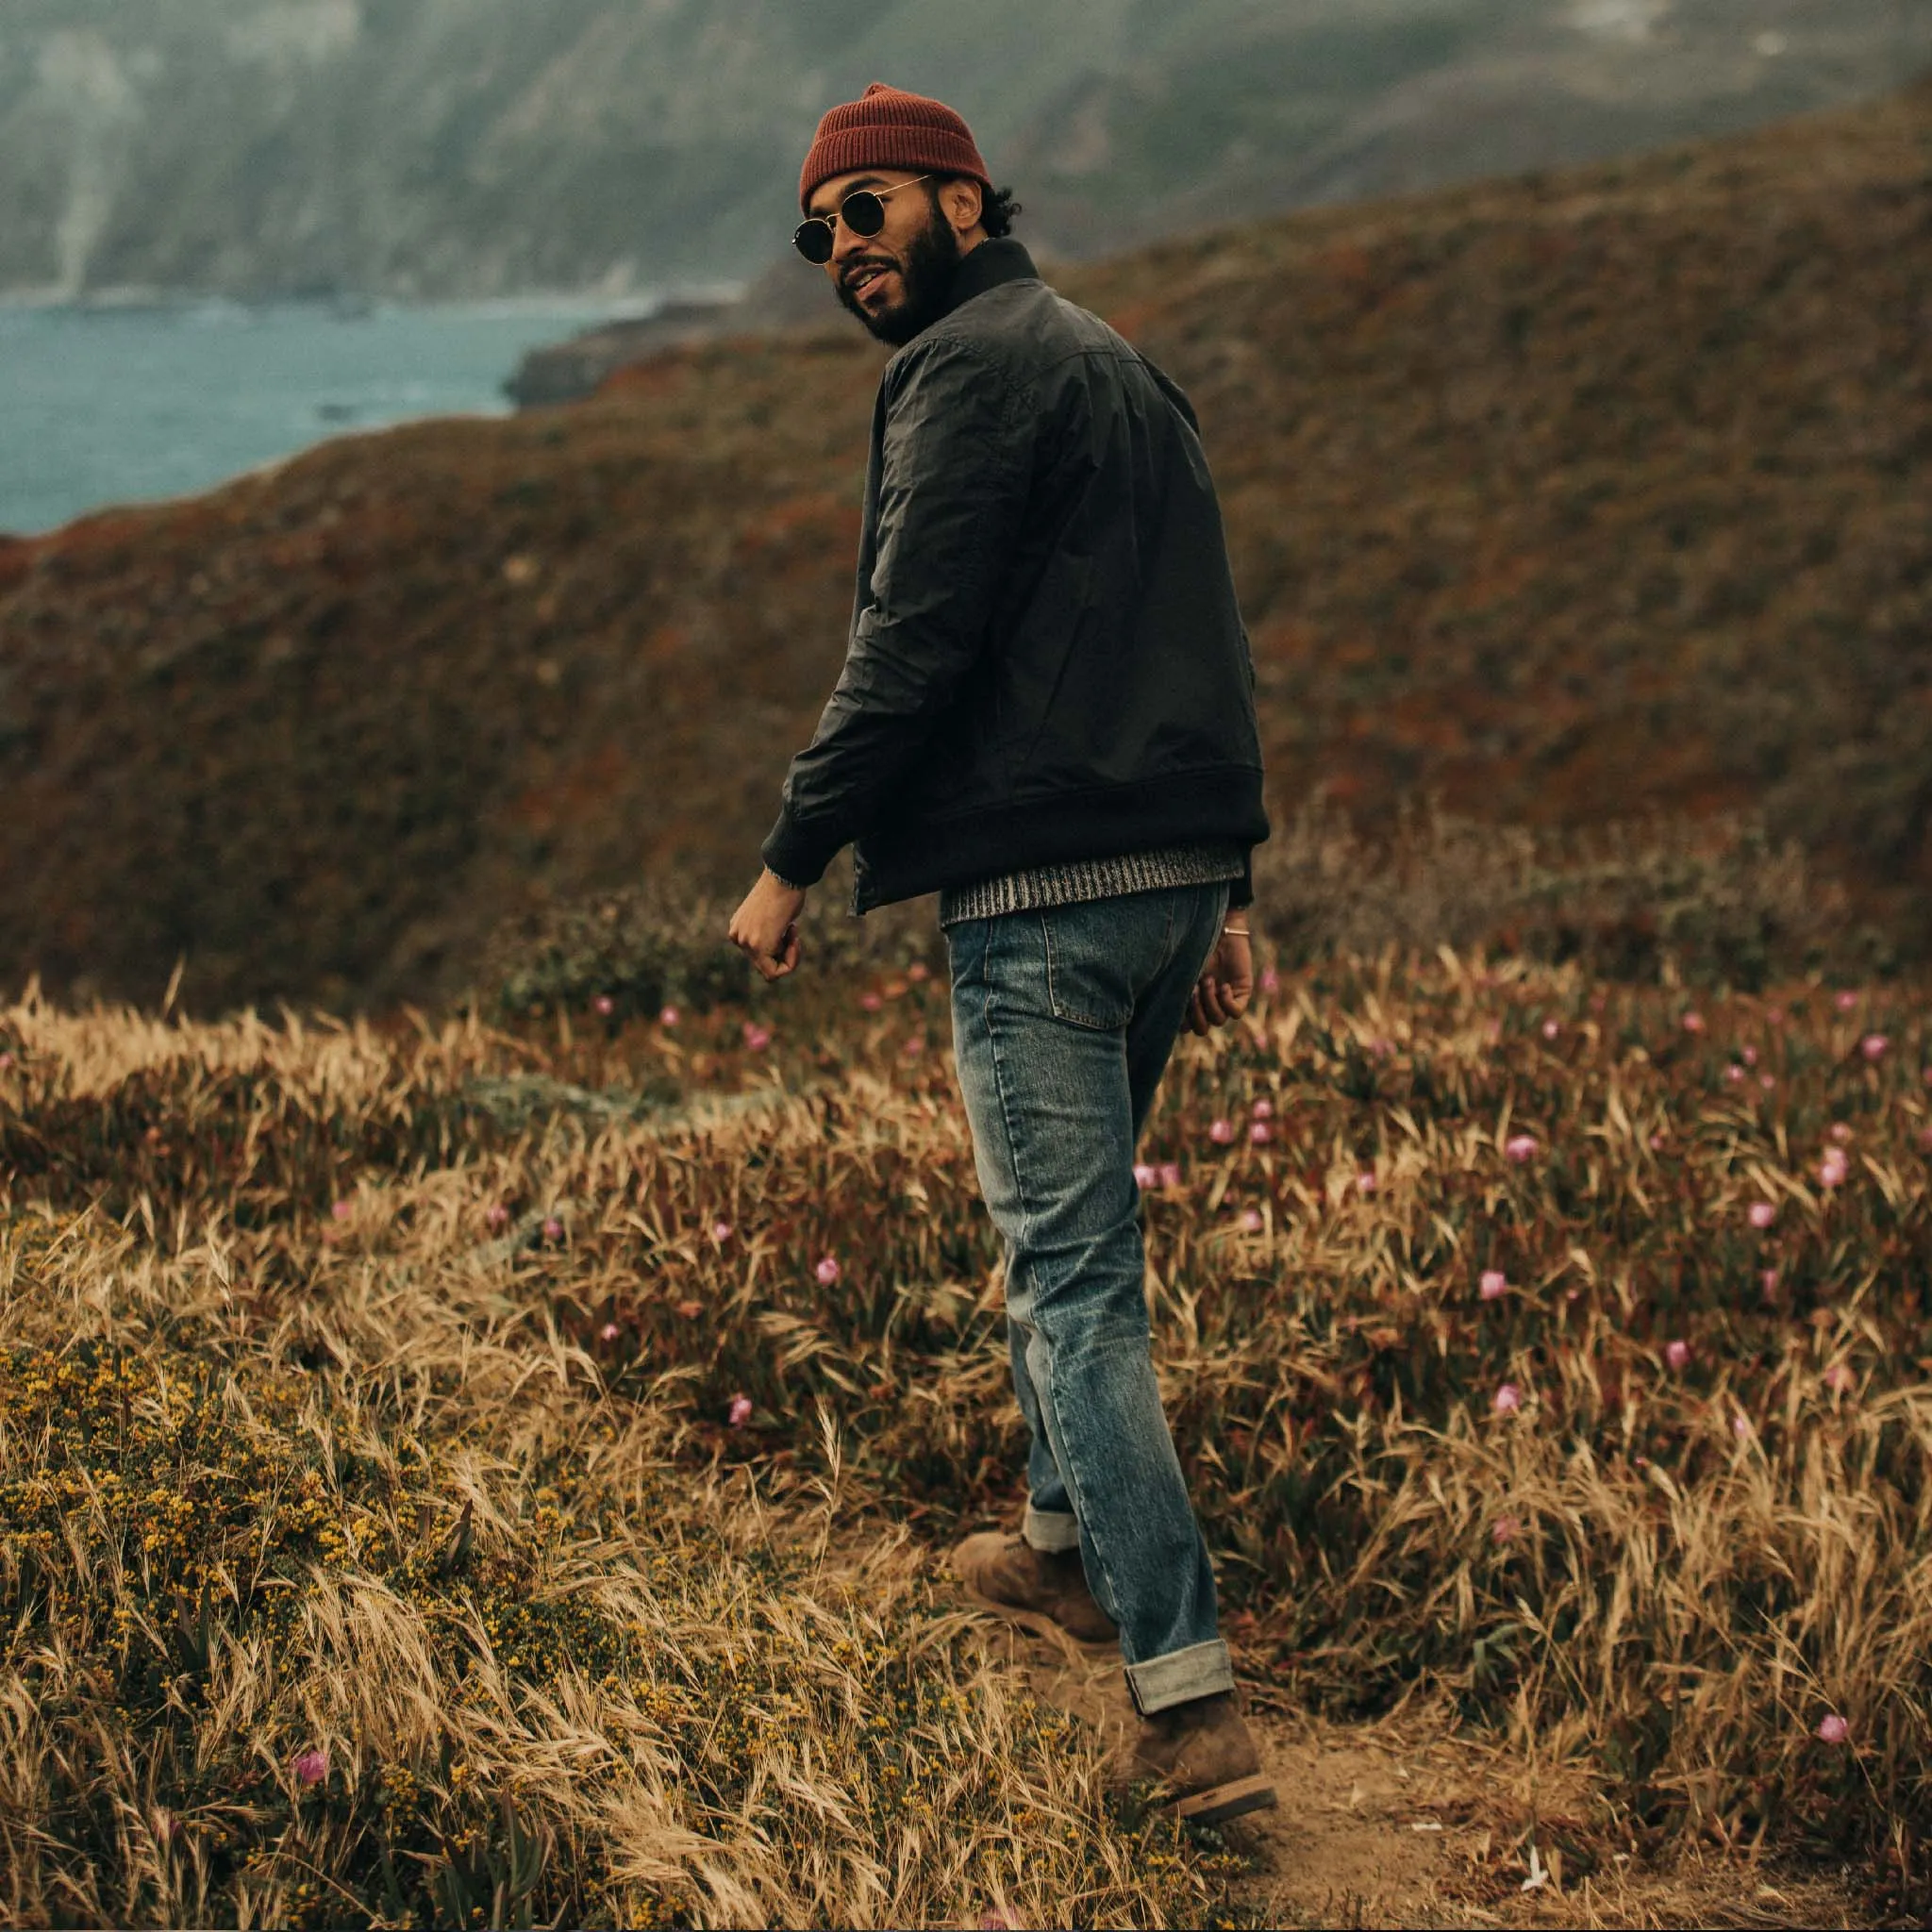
{"x": 103, "y": 406}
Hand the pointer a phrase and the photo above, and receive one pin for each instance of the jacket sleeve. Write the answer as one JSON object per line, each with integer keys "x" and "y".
{"x": 956, "y": 454}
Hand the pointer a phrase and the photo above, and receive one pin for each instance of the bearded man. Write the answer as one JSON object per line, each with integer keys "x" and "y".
{"x": 1046, "y": 716}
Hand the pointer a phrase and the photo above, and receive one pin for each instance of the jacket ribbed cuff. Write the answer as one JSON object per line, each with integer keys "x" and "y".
{"x": 792, "y": 853}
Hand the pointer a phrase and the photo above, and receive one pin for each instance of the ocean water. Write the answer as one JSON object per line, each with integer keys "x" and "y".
{"x": 122, "y": 404}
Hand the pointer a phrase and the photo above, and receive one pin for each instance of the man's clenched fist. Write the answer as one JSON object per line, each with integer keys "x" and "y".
{"x": 765, "y": 928}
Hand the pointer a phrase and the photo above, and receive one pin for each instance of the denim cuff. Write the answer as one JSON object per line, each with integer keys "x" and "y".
{"x": 1199, "y": 1670}
{"x": 1051, "y": 1531}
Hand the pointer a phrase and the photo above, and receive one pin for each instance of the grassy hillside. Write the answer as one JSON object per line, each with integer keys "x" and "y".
{"x": 448, "y": 1473}
{"x": 1570, "y": 499}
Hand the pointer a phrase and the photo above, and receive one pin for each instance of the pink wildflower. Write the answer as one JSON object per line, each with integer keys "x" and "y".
{"x": 669, "y": 1016}
{"x": 720, "y": 1231}
{"x": 1169, "y": 1173}
{"x": 872, "y": 1001}
{"x": 1874, "y": 1046}
{"x": 1833, "y": 1729}
{"x": 1507, "y": 1399}
{"x": 495, "y": 1217}
{"x": 342, "y": 1210}
{"x": 1146, "y": 1174}
{"x": 757, "y": 1038}
{"x": 739, "y": 1411}
{"x": 1521, "y": 1147}
{"x": 1259, "y": 1134}
{"x": 1365, "y": 1181}
{"x": 1678, "y": 1355}
{"x": 553, "y": 1228}
{"x": 1925, "y": 1139}
{"x": 1734, "y": 1074}
{"x": 605, "y": 1004}
{"x": 1656, "y": 1140}
{"x": 1766, "y": 1284}
{"x": 1749, "y": 1056}
{"x": 828, "y": 1270}
{"x": 1221, "y": 1132}
{"x": 1493, "y": 1285}
{"x": 1844, "y": 1002}
{"x": 1505, "y": 1529}
{"x": 1551, "y": 1028}
{"x": 609, "y": 1332}
{"x": 1839, "y": 1132}
{"x": 1832, "y": 1170}
{"x": 1741, "y": 1426}
{"x": 1773, "y": 1016}
{"x": 6, "y": 1062}
{"x": 1250, "y": 1220}
{"x": 1838, "y": 1378}
{"x": 1270, "y": 981}
{"x": 1767, "y": 1082}
{"x": 1263, "y": 1108}
{"x": 914, "y": 1046}
{"x": 919, "y": 970}
{"x": 310, "y": 1767}
{"x": 1694, "y": 1023}
{"x": 1762, "y": 1213}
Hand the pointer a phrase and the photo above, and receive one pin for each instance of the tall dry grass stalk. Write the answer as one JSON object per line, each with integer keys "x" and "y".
{"x": 1551, "y": 1346}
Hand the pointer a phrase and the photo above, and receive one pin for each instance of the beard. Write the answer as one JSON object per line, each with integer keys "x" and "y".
{"x": 926, "y": 270}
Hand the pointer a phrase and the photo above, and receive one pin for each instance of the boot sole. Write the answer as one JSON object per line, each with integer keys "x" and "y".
{"x": 1041, "y": 1625}
{"x": 1230, "y": 1800}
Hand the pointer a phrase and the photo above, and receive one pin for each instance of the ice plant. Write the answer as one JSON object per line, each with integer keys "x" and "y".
{"x": 1507, "y": 1399}
{"x": 1493, "y": 1285}
{"x": 1833, "y": 1729}
{"x": 310, "y": 1767}
{"x": 1762, "y": 1213}
{"x": 1221, "y": 1132}
{"x": 1521, "y": 1147}
{"x": 739, "y": 1411}
{"x": 828, "y": 1270}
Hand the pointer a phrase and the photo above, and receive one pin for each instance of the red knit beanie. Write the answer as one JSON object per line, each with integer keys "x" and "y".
{"x": 891, "y": 128}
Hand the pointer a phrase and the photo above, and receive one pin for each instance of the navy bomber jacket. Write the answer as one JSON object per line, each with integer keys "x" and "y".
{"x": 1047, "y": 663}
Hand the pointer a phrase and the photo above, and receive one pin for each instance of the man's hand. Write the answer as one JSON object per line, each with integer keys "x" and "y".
{"x": 1225, "y": 985}
{"x": 765, "y": 928}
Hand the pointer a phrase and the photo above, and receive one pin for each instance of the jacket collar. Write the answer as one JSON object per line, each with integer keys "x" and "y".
{"x": 986, "y": 267}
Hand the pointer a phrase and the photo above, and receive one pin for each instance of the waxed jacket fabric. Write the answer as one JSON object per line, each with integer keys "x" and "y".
{"x": 1047, "y": 663}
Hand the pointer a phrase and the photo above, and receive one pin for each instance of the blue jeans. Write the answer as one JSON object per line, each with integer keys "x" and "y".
{"x": 1064, "y": 1021}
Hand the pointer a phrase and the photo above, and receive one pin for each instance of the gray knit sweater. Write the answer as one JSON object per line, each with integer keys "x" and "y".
{"x": 1092, "y": 878}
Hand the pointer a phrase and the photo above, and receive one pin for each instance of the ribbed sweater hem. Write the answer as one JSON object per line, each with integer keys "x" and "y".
{"x": 1075, "y": 883}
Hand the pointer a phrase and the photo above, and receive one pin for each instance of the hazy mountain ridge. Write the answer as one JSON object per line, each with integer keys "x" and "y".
{"x": 475, "y": 147}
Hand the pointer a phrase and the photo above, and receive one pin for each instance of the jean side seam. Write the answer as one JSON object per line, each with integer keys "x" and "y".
{"x": 1068, "y": 1474}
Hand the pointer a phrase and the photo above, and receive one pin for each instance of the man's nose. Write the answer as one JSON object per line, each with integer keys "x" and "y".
{"x": 845, "y": 244}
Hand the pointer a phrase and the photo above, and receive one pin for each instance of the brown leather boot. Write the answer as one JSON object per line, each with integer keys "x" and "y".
{"x": 1044, "y": 1589}
{"x": 1202, "y": 1750}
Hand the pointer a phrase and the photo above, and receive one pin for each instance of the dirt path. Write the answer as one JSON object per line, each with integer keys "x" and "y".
{"x": 1401, "y": 1824}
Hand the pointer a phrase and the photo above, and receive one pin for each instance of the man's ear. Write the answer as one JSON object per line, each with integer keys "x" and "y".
{"x": 962, "y": 201}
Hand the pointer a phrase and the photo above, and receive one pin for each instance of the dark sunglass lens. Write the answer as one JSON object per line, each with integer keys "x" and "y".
{"x": 813, "y": 239}
{"x": 864, "y": 213}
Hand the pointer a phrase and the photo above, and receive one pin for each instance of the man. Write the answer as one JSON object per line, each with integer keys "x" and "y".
{"x": 1046, "y": 715}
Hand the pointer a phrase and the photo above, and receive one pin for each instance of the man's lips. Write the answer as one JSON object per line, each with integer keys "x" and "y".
{"x": 868, "y": 278}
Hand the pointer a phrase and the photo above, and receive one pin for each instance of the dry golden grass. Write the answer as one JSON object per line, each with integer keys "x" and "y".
{"x": 380, "y": 1545}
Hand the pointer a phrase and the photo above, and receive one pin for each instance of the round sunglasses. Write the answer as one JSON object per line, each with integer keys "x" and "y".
{"x": 863, "y": 212}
